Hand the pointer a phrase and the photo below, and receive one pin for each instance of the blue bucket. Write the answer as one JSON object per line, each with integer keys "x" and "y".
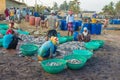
{"x": 75, "y": 36}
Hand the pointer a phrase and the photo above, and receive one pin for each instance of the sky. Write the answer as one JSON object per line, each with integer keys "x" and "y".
{"x": 89, "y": 5}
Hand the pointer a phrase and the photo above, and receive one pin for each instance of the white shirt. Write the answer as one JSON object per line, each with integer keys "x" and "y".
{"x": 70, "y": 18}
{"x": 18, "y": 11}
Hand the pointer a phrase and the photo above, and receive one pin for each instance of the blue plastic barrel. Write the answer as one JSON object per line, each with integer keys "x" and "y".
{"x": 63, "y": 25}
{"x": 118, "y": 21}
{"x": 78, "y": 23}
{"x": 75, "y": 36}
{"x": 36, "y": 14}
{"x": 88, "y": 25}
{"x": 98, "y": 28}
{"x": 111, "y": 21}
{"x": 115, "y": 21}
{"x": 75, "y": 27}
{"x": 93, "y": 28}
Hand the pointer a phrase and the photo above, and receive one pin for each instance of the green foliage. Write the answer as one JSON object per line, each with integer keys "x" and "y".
{"x": 74, "y": 6}
{"x": 55, "y": 7}
{"x": 117, "y": 7}
{"x": 64, "y": 6}
{"x": 109, "y": 9}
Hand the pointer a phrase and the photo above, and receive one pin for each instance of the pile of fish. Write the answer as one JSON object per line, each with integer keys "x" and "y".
{"x": 31, "y": 39}
{"x": 68, "y": 47}
{"x": 74, "y": 61}
{"x": 63, "y": 49}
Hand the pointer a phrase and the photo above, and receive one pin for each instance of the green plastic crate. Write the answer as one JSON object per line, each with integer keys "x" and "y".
{"x": 54, "y": 69}
{"x": 28, "y": 49}
{"x": 85, "y": 53}
{"x": 78, "y": 57}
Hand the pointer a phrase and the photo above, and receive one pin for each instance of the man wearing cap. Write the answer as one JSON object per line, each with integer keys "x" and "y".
{"x": 85, "y": 36}
{"x": 52, "y": 20}
{"x": 70, "y": 20}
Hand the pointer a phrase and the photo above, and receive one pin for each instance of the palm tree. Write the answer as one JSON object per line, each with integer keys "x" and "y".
{"x": 117, "y": 7}
{"x": 105, "y": 9}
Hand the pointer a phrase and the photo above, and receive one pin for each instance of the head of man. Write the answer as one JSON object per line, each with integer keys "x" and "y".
{"x": 85, "y": 29}
{"x": 54, "y": 40}
{"x": 70, "y": 13}
{"x": 52, "y": 12}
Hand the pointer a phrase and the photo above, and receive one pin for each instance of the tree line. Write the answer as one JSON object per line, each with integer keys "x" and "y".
{"x": 112, "y": 9}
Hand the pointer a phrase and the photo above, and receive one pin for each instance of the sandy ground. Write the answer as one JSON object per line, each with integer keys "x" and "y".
{"x": 104, "y": 65}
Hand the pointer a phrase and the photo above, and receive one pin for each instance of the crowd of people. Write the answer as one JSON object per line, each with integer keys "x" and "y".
{"x": 11, "y": 38}
{"x": 16, "y": 13}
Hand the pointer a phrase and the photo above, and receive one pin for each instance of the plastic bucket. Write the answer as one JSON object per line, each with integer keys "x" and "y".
{"x": 32, "y": 20}
{"x": 88, "y": 25}
{"x": 37, "y": 21}
{"x": 93, "y": 28}
{"x": 75, "y": 36}
{"x": 98, "y": 28}
{"x": 27, "y": 18}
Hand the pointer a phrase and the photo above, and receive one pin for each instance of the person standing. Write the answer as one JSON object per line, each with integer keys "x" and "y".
{"x": 52, "y": 24}
{"x": 42, "y": 22}
{"x": 105, "y": 25}
{"x": 52, "y": 20}
{"x": 18, "y": 13}
{"x": 7, "y": 13}
{"x": 12, "y": 14}
{"x": 70, "y": 20}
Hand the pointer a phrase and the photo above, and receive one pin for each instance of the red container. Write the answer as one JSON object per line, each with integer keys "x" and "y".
{"x": 37, "y": 21}
{"x": 32, "y": 20}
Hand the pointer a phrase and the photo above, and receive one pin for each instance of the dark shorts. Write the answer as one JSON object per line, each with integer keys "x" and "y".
{"x": 13, "y": 43}
{"x": 52, "y": 33}
{"x": 70, "y": 26}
